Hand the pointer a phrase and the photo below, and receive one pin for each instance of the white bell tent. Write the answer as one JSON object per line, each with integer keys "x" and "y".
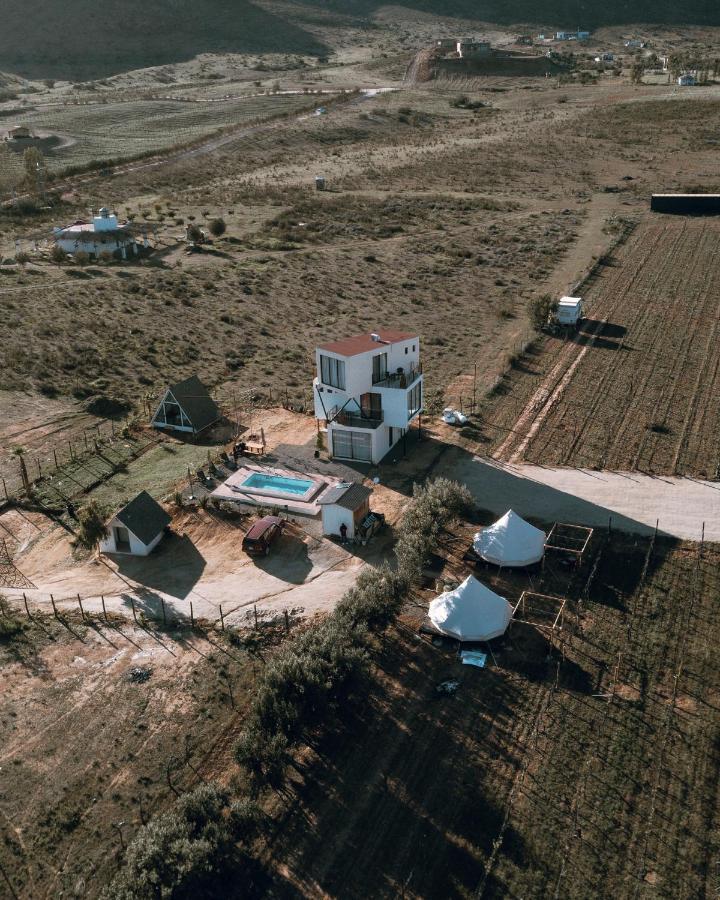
{"x": 511, "y": 541}
{"x": 472, "y": 612}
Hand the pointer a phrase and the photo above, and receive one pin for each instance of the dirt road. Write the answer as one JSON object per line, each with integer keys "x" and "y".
{"x": 635, "y": 502}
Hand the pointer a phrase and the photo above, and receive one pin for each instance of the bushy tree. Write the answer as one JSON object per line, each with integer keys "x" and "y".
{"x": 92, "y": 528}
{"x": 218, "y": 227}
{"x": 186, "y": 853}
{"x": 539, "y": 308}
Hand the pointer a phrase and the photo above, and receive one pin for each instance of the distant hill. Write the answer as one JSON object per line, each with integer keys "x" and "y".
{"x": 84, "y": 39}
{"x": 561, "y": 13}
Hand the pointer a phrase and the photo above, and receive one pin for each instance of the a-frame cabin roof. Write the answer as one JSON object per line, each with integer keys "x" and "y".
{"x": 195, "y": 401}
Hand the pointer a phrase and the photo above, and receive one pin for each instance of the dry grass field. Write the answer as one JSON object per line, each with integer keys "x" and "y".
{"x": 89, "y": 753}
{"x": 78, "y": 135}
{"x": 533, "y": 780}
{"x": 638, "y": 388}
{"x": 582, "y": 767}
{"x": 589, "y": 768}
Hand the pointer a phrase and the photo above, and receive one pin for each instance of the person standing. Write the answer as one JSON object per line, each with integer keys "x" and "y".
{"x": 343, "y": 533}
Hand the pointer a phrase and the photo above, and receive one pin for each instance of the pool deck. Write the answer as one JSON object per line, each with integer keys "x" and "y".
{"x": 231, "y": 490}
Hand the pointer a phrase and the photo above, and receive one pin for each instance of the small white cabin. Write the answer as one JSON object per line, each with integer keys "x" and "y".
{"x": 137, "y": 529}
{"x": 687, "y": 80}
{"x": 348, "y": 503}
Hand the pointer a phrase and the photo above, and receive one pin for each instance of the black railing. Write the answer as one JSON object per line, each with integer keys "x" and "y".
{"x": 358, "y": 420}
{"x": 401, "y": 379}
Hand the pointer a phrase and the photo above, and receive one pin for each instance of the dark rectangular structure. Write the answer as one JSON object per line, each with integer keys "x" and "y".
{"x": 686, "y": 204}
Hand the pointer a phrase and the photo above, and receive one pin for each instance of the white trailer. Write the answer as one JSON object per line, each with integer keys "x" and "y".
{"x": 569, "y": 313}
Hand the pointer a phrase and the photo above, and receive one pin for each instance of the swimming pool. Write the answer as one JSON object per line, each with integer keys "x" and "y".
{"x": 278, "y": 484}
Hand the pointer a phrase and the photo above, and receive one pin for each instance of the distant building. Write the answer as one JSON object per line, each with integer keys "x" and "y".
{"x": 137, "y": 529}
{"x": 635, "y": 44}
{"x": 187, "y": 407}
{"x": 19, "y": 132}
{"x": 572, "y": 35}
{"x": 471, "y": 49}
{"x": 687, "y": 80}
{"x": 103, "y": 234}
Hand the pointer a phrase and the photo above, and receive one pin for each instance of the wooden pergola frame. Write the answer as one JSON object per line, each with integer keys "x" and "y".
{"x": 522, "y": 604}
{"x": 570, "y": 544}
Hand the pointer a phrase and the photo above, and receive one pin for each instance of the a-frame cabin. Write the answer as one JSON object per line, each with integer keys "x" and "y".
{"x": 186, "y": 406}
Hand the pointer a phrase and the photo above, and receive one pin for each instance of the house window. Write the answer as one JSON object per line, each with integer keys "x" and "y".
{"x": 406, "y": 351}
{"x": 332, "y": 371}
{"x": 414, "y": 400}
{"x": 379, "y": 368}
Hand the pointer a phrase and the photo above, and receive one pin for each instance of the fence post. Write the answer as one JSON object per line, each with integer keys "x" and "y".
{"x": 82, "y": 611}
{"x": 5, "y": 490}
{"x": 26, "y": 606}
{"x": 192, "y": 617}
{"x": 287, "y": 622}
{"x": 55, "y": 458}
{"x": 132, "y": 605}
{"x": 162, "y": 603}
{"x": 222, "y": 619}
{"x": 256, "y": 616}
{"x": 52, "y": 600}
{"x": 102, "y": 597}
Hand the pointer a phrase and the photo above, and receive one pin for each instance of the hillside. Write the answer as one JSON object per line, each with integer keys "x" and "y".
{"x": 40, "y": 39}
{"x": 561, "y": 13}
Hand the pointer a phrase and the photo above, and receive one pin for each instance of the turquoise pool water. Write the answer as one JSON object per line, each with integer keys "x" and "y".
{"x": 280, "y": 484}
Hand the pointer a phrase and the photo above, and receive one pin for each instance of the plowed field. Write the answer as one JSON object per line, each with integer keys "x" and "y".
{"x": 639, "y": 387}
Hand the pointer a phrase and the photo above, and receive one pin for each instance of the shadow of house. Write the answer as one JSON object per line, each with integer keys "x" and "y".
{"x": 174, "y": 569}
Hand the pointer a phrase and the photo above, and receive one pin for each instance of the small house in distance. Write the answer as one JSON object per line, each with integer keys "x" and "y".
{"x": 687, "y": 80}
{"x": 347, "y": 503}
{"x": 187, "y": 407}
{"x": 137, "y": 529}
{"x": 19, "y": 133}
{"x": 103, "y": 235}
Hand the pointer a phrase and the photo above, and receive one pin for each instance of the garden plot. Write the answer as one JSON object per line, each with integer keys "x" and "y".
{"x": 639, "y": 387}
{"x": 101, "y": 131}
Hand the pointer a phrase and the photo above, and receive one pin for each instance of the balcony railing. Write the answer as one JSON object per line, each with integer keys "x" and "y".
{"x": 358, "y": 420}
{"x": 401, "y": 379}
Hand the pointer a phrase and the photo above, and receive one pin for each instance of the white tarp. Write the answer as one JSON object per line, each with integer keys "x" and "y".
{"x": 472, "y": 612}
{"x": 511, "y": 541}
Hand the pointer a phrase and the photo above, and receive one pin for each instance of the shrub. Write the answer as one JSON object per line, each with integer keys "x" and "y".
{"x": 187, "y": 852}
{"x": 22, "y": 258}
{"x": 57, "y": 254}
{"x": 539, "y": 309}
{"x": 82, "y": 258}
{"x": 218, "y": 227}
{"x": 92, "y": 530}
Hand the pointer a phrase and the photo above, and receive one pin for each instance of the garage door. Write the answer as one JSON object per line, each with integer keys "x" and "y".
{"x": 352, "y": 445}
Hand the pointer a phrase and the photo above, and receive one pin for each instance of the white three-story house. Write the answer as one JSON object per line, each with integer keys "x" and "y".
{"x": 368, "y": 390}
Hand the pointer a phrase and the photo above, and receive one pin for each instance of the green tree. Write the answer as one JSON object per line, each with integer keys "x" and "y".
{"x": 539, "y": 309}
{"x": 186, "y": 853}
{"x": 194, "y": 234}
{"x": 34, "y": 166}
{"x": 92, "y": 528}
